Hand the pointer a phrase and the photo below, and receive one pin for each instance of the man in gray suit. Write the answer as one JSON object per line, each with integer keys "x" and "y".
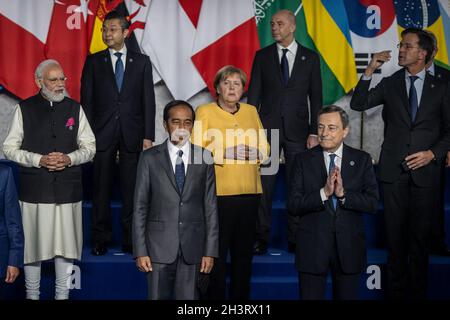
{"x": 175, "y": 222}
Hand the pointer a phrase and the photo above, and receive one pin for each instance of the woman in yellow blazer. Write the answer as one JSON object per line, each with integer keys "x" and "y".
{"x": 233, "y": 132}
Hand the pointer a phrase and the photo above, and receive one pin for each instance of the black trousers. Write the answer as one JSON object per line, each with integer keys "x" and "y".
{"x": 408, "y": 211}
{"x": 345, "y": 285}
{"x": 438, "y": 223}
{"x": 237, "y": 221}
{"x": 290, "y": 149}
{"x": 104, "y": 171}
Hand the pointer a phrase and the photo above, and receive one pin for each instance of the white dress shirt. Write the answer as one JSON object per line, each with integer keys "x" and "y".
{"x": 173, "y": 154}
{"x": 337, "y": 163}
{"x": 418, "y": 84}
{"x": 123, "y": 51}
{"x": 290, "y": 55}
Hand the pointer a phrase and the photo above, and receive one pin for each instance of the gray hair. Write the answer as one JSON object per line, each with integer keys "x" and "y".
{"x": 332, "y": 109}
{"x": 38, "y": 73}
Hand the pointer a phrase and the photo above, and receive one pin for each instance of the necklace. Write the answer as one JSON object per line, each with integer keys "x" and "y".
{"x": 232, "y": 112}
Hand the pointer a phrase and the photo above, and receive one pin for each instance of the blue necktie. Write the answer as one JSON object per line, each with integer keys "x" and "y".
{"x": 119, "y": 70}
{"x": 285, "y": 67}
{"x": 413, "y": 103}
{"x": 330, "y": 169}
{"x": 179, "y": 171}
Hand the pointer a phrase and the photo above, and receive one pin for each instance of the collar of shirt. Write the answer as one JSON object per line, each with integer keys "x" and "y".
{"x": 431, "y": 69}
{"x": 173, "y": 153}
{"x": 123, "y": 51}
{"x": 420, "y": 75}
{"x": 293, "y": 47}
{"x": 418, "y": 84}
{"x": 337, "y": 160}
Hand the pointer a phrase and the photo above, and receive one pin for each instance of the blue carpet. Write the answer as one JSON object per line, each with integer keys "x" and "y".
{"x": 114, "y": 276}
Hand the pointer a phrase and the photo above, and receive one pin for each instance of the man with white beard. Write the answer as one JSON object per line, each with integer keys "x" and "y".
{"x": 50, "y": 138}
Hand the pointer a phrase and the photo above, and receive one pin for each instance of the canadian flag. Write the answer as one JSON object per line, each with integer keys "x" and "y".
{"x": 68, "y": 39}
{"x": 23, "y": 27}
{"x": 39, "y": 30}
{"x": 226, "y": 35}
{"x": 168, "y": 39}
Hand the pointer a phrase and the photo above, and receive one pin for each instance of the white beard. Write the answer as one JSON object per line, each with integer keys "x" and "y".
{"x": 53, "y": 97}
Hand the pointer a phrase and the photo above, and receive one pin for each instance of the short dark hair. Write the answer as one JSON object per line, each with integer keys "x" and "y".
{"x": 333, "y": 108}
{"x": 124, "y": 23}
{"x": 176, "y": 103}
{"x": 425, "y": 41}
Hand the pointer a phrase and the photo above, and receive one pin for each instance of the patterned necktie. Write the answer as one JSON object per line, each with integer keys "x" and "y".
{"x": 179, "y": 170}
{"x": 330, "y": 169}
{"x": 119, "y": 70}
{"x": 285, "y": 67}
{"x": 413, "y": 103}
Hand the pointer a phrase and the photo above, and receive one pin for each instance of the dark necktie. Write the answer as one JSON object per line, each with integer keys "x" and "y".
{"x": 330, "y": 169}
{"x": 285, "y": 67}
{"x": 179, "y": 170}
{"x": 413, "y": 102}
{"x": 119, "y": 70}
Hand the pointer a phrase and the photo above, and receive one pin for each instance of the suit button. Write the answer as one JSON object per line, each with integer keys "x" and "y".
{"x": 180, "y": 223}
{"x": 181, "y": 204}
{"x": 116, "y": 117}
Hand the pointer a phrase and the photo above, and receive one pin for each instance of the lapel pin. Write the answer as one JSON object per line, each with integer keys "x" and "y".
{"x": 303, "y": 58}
{"x": 352, "y": 163}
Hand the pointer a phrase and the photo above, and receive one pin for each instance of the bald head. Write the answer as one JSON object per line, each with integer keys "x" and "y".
{"x": 282, "y": 27}
{"x": 288, "y": 14}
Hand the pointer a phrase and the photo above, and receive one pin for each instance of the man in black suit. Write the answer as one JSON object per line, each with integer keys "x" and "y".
{"x": 416, "y": 114}
{"x": 118, "y": 97}
{"x": 438, "y": 245}
{"x": 332, "y": 185}
{"x": 285, "y": 79}
{"x": 175, "y": 222}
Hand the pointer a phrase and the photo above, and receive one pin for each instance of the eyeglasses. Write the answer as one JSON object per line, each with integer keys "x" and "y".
{"x": 54, "y": 80}
{"x": 112, "y": 30}
{"x": 407, "y": 46}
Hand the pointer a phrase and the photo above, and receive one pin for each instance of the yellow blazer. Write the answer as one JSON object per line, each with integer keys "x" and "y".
{"x": 216, "y": 130}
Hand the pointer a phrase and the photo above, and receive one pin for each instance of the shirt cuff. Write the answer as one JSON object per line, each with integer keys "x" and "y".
{"x": 364, "y": 77}
{"x": 322, "y": 195}
{"x": 36, "y": 158}
{"x": 72, "y": 158}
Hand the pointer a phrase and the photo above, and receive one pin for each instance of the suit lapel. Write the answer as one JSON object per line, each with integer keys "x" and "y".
{"x": 164, "y": 159}
{"x": 299, "y": 61}
{"x": 319, "y": 164}
{"x": 347, "y": 165}
{"x": 401, "y": 89}
{"x": 106, "y": 60}
{"x": 194, "y": 158}
{"x": 276, "y": 64}
{"x": 427, "y": 93}
{"x": 128, "y": 70}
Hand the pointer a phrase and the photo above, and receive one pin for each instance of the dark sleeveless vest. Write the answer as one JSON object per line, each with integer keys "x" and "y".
{"x": 50, "y": 129}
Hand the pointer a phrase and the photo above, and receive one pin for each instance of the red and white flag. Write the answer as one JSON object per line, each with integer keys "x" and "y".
{"x": 23, "y": 27}
{"x": 68, "y": 39}
{"x": 168, "y": 39}
{"x": 226, "y": 35}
